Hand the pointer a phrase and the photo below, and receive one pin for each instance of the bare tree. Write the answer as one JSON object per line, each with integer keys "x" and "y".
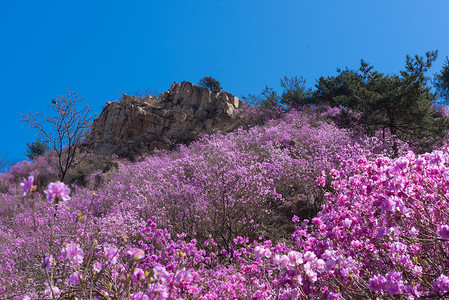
{"x": 65, "y": 130}
{"x": 5, "y": 164}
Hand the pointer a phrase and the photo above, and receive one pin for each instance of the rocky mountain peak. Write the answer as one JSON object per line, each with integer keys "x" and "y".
{"x": 179, "y": 115}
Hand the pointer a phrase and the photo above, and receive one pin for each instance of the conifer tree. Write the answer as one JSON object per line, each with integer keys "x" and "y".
{"x": 36, "y": 149}
{"x": 401, "y": 104}
{"x": 441, "y": 82}
{"x": 210, "y": 83}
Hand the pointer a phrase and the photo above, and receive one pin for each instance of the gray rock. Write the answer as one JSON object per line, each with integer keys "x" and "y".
{"x": 136, "y": 125}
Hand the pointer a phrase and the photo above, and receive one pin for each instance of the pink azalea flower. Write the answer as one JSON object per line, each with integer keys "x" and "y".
{"x": 334, "y": 296}
{"x": 182, "y": 275}
{"x": 441, "y": 284}
{"x": 111, "y": 254}
{"x": 313, "y": 276}
{"x": 27, "y": 184}
{"x": 400, "y": 165}
{"x": 377, "y": 283}
{"x": 262, "y": 252}
{"x": 97, "y": 267}
{"x": 443, "y": 232}
{"x": 56, "y": 291}
{"x": 347, "y": 223}
{"x": 309, "y": 256}
{"x": 160, "y": 273}
{"x": 335, "y": 174}
{"x": 139, "y": 296}
{"x": 74, "y": 253}
{"x": 295, "y": 258}
{"x": 48, "y": 261}
{"x": 135, "y": 253}
{"x": 57, "y": 190}
{"x": 75, "y": 278}
{"x": 138, "y": 274}
{"x": 388, "y": 204}
{"x": 394, "y": 284}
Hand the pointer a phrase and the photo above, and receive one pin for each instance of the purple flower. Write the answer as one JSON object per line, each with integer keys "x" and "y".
{"x": 57, "y": 190}
{"x": 74, "y": 253}
{"x": 111, "y": 254}
{"x": 161, "y": 273}
{"x": 394, "y": 284}
{"x": 443, "y": 232}
{"x": 295, "y": 258}
{"x": 388, "y": 204}
{"x": 400, "y": 165}
{"x": 309, "y": 256}
{"x": 441, "y": 284}
{"x": 48, "y": 261}
{"x": 27, "y": 185}
{"x": 377, "y": 283}
{"x": 97, "y": 267}
{"x": 335, "y": 173}
{"x": 159, "y": 291}
{"x": 313, "y": 276}
{"x": 261, "y": 252}
{"x": 139, "y": 296}
{"x": 436, "y": 158}
{"x": 136, "y": 253}
{"x": 347, "y": 223}
{"x": 182, "y": 275}
{"x": 75, "y": 278}
{"x": 382, "y": 231}
{"x": 56, "y": 291}
{"x": 138, "y": 274}
{"x": 333, "y": 296}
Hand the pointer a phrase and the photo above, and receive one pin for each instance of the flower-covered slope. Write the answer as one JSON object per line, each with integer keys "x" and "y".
{"x": 197, "y": 223}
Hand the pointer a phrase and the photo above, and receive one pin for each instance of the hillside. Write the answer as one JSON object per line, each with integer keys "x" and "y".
{"x": 287, "y": 206}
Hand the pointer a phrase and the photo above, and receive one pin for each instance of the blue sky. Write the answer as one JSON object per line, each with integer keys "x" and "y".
{"x": 102, "y": 49}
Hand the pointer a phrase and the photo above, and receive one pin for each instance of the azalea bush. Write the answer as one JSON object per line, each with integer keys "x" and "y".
{"x": 294, "y": 209}
{"x": 245, "y": 183}
{"x": 383, "y": 233}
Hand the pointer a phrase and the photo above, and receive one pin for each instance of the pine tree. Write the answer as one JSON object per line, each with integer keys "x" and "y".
{"x": 441, "y": 81}
{"x": 210, "y": 83}
{"x": 36, "y": 149}
{"x": 400, "y": 103}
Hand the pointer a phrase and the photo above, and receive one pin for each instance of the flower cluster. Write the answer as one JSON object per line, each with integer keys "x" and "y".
{"x": 57, "y": 191}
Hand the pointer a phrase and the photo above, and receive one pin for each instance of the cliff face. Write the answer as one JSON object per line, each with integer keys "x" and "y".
{"x": 179, "y": 115}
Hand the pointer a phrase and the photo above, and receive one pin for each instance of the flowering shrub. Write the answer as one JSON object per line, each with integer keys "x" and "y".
{"x": 212, "y": 220}
{"x": 244, "y": 183}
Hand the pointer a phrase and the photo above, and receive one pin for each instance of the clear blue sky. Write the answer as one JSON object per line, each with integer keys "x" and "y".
{"x": 104, "y": 48}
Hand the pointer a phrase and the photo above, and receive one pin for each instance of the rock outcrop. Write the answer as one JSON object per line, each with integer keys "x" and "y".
{"x": 179, "y": 115}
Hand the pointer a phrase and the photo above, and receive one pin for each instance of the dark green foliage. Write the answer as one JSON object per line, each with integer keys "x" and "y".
{"x": 401, "y": 103}
{"x": 441, "y": 81}
{"x": 294, "y": 92}
{"x": 329, "y": 90}
{"x": 35, "y": 149}
{"x": 268, "y": 98}
{"x": 210, "y": 83}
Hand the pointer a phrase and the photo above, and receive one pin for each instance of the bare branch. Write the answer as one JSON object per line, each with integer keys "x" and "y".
{"x": 64, "y": 130}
